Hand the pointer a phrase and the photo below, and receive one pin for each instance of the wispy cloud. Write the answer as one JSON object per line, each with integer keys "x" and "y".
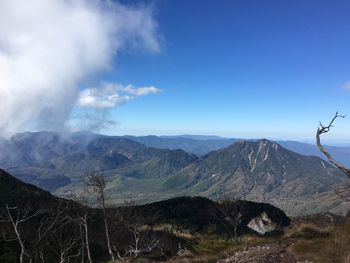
{"x": 91, "y": 120}
{"x": 346, "y": 85}
{"x": 110, "y": 95}
{"x": 48, "y": 47}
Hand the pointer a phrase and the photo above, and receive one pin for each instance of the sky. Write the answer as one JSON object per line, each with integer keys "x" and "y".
{"x": 234, "y": 68}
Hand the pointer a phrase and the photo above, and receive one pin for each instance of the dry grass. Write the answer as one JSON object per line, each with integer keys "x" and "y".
{"x": 334, "y": 247}
{"x": 253, "y": 240}
{"x": 309, "y": 242}
{"x": 178, "y": 232}
{"x": 306, "y": 231}
{"x": 211, "y": 244}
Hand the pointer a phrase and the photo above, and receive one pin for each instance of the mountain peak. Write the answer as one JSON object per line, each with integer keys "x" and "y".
{"x": 256, "y": 170}
{"x": 258, "y": 142}
{"x": 260, "y": 147}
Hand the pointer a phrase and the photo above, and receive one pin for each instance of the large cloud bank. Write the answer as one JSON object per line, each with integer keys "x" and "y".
{"x": 48, "y": 47}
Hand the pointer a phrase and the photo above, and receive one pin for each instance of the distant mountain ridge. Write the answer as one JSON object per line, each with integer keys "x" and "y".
{"x": 192, "y": 144}
{"x": 196, "y": 137}
{"x": 52, "y": 160}
{"x": 200, "y": 145}
{"x": 257, "y": 170}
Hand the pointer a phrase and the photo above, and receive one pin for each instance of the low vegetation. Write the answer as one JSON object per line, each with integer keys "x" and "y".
{"x": 323, "y": 245}
{"x": 302, "y": 242}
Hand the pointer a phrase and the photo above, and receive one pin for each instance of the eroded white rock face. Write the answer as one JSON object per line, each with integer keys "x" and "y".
{"x": 262, "y": 224}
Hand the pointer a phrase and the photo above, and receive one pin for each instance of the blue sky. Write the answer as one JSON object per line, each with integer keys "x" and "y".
{"x": 240, "y": 69}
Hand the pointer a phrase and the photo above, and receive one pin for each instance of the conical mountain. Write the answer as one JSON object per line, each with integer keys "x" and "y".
{"x": 255, "y": 170}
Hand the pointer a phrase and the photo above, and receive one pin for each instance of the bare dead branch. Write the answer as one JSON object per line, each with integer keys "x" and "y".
{"x": 16, "y": 217}
{"x": 324, "y": 129}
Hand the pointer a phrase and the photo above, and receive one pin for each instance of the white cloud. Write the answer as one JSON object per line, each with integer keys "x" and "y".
{"x": 139, "y": 91}
{"x": 110, "y": 95}
{"x": 346, "y": 85}
{"x": 48, "y": 47}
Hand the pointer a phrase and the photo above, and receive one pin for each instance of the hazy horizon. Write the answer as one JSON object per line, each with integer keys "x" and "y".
{"x": 208, "y": 136}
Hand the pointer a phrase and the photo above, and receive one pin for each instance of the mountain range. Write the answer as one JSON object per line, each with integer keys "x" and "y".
{"x": 201, "y": 145}
{"x": 257, "y": 170}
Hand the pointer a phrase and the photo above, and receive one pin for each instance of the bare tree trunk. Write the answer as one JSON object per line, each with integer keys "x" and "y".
{"x": 83, "y": 244}
{"x": 108, "y": 241}
{"x": 135, "y": 250}
{"x": 87, "y": 238}
{"x": 236, "y": 222}
{"x": 98, "y": 182}
{"x": 19, "y": 239}
{"x": 15, "y": 224}
{"x": 42, "y": 257}
{"x": 62, "y": 257}
{"x": 110, "y": 251}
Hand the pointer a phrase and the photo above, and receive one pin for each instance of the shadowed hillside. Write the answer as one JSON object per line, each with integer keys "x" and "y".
{"x": 48, "y": 224}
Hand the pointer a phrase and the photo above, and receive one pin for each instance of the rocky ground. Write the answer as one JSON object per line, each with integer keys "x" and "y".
{"x": 284, "y": 251}
{"x": 321, "y": 238}
{"x": 267, "y": 253}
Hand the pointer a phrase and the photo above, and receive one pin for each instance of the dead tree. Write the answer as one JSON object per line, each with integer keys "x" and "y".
{"x": 84, "y": 223}
{"x": 15, "y": 217}
{"x": 52, "y": 219}
{"x": 134, "y": 249}
{"x": 324, "y": 129}
{"x": 57, "y": 233}
{"x": 67, "y": 248}
{"x": 233, "y": 216}
{"x": 140, "y": 246}
{"x": 98, "y": 183}
{"x": 236, "y": 221}
{"x": 142, "y": 239}
{"x": 82, "y": 220}
{"x": 344, "y": 191}
{"x": 65, "y": 239}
